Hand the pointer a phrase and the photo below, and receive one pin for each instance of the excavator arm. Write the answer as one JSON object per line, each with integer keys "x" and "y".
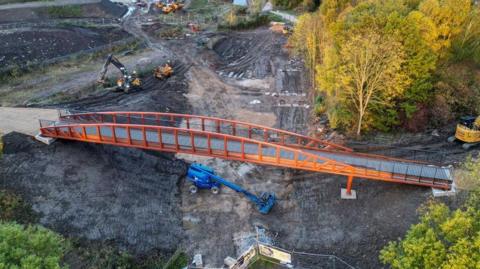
{"x": 111, "y": 60}
{"x": 126, "y": 81}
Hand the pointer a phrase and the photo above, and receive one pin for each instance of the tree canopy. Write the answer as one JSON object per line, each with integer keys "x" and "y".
{"x": 340, "y": 41}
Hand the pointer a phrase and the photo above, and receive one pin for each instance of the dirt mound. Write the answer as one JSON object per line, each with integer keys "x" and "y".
{"x": 37, "y": 45}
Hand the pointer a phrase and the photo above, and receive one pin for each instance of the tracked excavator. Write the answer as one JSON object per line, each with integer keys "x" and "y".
{"x": 126, "y": 82}
{"x": 468, "y": 132}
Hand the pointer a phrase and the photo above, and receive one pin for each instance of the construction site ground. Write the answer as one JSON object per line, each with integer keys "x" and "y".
{"x": 140, "y": 200}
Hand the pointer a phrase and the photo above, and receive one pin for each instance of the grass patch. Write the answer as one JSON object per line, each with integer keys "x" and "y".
{"x": 263, "y": 264}
{"x": 3, "y": 2}
{"x": 105, "y": 255}
{"x": 178, "y": 260}
{"x": 247, "y": 22}
{"x": 65, "y": 11}
{"x": 13, "y": 208}
{"x": 196, "y": 4}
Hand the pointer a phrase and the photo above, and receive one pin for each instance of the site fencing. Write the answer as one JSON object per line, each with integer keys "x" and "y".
{"x": 303, "y": 260}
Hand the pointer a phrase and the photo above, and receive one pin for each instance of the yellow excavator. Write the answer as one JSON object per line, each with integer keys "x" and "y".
{"x": 126, "y": 81}
{"x": 468, "y": 132}
{"x": 163, "y": 72}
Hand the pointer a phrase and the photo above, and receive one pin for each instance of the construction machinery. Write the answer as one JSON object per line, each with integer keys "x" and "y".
{"x": 203, "y": 177}
{"x": 468, "y": 132}
{"x": 163, "y": 72}
{"x": 280, "y": 27}
{"x": 126, "y": 81}
{"x": 172, "y": 7}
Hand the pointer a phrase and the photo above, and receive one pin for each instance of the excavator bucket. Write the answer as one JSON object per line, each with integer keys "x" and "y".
{"x": 268, "y": 201}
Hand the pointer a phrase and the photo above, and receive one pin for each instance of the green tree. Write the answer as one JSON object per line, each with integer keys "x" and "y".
{"x": 31, "y": 247}
{"x": 443, "y": 239}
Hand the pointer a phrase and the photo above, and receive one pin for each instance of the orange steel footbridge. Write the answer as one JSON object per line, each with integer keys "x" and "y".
{"x": 240, "y": 141}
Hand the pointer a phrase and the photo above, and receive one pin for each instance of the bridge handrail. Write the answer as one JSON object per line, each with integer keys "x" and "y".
{"x": 310, "y": 161}
{"x": 233, "y": 122}
{"x": 210, "y": 134}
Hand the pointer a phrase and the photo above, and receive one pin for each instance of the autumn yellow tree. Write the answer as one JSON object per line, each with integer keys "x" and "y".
{"x": 307, "y": 39}
{"x": 410, "y": 39}
{"x": 369, "y": 72}
{"x": 442, "y": 21}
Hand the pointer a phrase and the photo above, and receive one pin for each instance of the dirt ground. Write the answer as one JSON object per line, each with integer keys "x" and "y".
{"x": 140, "y": 200}
{"x": 104, "y": 9}
{"x": 24, "y": 46}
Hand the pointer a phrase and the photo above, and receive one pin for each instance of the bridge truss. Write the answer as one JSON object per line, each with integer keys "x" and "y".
{"x": 240, "y": 141}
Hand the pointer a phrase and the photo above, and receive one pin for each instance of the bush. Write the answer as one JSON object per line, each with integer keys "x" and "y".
{"x": 13, "y": 208}
{"x": 31, "y": 247}
{"x": 442, "y": 239}
{"x": 468, "y": 175}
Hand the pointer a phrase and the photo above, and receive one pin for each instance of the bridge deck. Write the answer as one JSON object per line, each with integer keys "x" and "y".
{"x": 218, "y": 145}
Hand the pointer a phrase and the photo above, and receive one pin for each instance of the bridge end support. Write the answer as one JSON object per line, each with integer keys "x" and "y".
{"x": 442, "y": 193}
{"x": 348, "y": 196}
{"x": 45, "y": 140}
{"x": 348, "y": 193}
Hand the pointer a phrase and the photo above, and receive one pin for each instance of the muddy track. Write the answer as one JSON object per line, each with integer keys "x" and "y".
{"x": 114, "y": 98}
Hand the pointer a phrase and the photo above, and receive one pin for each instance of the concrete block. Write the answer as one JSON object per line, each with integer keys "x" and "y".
{"x": 229, "y": 261}
{"x": 45, "y": 140}
{"x": 443, "y": 193}
{"x": 344, "y": 195}
{"x": 197, "y": 261}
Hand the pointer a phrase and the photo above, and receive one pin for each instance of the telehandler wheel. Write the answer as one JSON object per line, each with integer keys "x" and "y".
{"x": 451, "y": 139}
{"x": 193, "y": 189}
{"x": 215, "y": 190}
{"x": 467, "y": 146}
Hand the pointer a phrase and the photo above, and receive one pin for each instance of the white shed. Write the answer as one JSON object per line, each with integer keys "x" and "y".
{"x": 240, "y": 2}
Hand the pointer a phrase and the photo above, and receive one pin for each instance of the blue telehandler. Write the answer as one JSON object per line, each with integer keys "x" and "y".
{"x": 203, "y": 177}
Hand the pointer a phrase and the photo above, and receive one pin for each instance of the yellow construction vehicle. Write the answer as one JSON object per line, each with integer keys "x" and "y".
{"x": 126, "y": 81}
{"x": 163, "y": 72}
{"x": 468, "y": 132}
{"x": 159, "y": 5}
{"x": 171, "y": 7}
